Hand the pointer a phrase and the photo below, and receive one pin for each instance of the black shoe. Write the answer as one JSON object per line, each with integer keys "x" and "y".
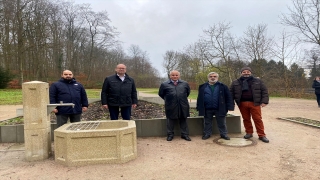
{"x": 169, "y": 138}
{"x": 204, "y": 137}
{"x": 225, "y": 137}
{"x": 247, "y": 136}
{"x": 186, "y": 138}
{"x": 264, "y": 139}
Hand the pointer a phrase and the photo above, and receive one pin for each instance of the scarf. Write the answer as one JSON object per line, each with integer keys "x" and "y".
{"x": 245, "y": 85}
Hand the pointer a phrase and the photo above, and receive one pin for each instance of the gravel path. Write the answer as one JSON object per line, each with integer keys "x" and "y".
{"x": 292, "y": 154}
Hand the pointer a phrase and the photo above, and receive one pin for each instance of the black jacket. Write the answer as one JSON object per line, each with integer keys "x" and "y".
{"x": 259, "y": 91}
{"x": 176, "y": 99}
{"x": 116, "y": 92}
{"x": 316, "y": 86}
{"x": 68, "y": 92}
{"x": 225, "y": 99}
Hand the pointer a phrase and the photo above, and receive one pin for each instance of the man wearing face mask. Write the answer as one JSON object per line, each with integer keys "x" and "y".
{"x": 214, "y": 98}
{"x": 250, "y": 94}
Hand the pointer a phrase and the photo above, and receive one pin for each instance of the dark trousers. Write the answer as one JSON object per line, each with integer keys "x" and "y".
{"x": 248, "y": 110}
{"x": 63, "y": 118}
{"x": 208, "y": 119}
{"x": 318, "y": 99}
{"x": 183, "y": 126}
{"x": 125, "y": 112}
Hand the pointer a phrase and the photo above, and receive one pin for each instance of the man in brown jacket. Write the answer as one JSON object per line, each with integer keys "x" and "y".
{"x": 250, "y": 94}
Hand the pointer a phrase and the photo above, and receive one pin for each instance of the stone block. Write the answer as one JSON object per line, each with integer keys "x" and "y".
{"x": 20, "y": 133}
{"x": 8, "y": 134}
{"x": 37, "y": 144}
{"x": 151, "y": 127}
{"x": 85, "y": 143}
{"x": 35, "y": 100}
{"x": 19, "y": 112}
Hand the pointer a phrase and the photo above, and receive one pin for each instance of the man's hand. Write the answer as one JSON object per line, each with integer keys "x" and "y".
{"x": 263, "y": 105}
{"x": 55, "y": 110}
{"x": 105, "y": 106}
{"x": 134, "y": 105}
{"x": 84, "y": 109}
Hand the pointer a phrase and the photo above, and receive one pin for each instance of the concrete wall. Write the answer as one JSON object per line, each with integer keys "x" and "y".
{"x": 145, "y": 128}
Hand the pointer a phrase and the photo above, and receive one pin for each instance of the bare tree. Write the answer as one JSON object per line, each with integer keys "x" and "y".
{"x": 313, "y": 61}
{"x": 171, "y": 61}
{"x": 286, "y": 50}
{"x": 257, "y": 45}
{"x": 219, "y": 47}
{"x": 304, "y": 18}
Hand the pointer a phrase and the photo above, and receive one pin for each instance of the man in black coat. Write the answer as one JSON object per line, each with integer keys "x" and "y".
{"x": 175, "y": 93}
{"x": 119, "y": 92}
{"x": 214, "y": 98}
{"x": 68, "y": 90}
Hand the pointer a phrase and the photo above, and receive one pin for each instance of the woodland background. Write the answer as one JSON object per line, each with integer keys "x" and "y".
{"x": 41, "y": 38}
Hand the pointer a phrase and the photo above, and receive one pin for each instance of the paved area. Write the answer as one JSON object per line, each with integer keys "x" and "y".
{"x": 8, "y": 111}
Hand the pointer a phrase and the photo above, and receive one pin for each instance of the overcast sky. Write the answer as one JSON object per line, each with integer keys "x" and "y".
{"x": 160, "y": 25}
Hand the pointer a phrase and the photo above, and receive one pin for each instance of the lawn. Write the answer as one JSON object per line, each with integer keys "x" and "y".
{"x": 14, "y": 96}
{"x": 193, "y": 93}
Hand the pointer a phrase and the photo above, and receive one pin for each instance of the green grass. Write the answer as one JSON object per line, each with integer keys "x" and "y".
{"x": 10, "y": 96}
{"x": 93, "y": 93}
{"x": 14, "y": 96}
{"x": 193, "y": 93}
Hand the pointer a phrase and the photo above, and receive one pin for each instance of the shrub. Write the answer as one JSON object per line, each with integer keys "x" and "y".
{"x": 5, "y": 78}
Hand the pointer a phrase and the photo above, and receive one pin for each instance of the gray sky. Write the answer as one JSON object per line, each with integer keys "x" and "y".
{"x": 160, "y": 25}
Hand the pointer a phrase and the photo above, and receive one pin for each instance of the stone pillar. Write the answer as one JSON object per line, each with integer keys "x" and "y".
{"x": 37, "y": 129}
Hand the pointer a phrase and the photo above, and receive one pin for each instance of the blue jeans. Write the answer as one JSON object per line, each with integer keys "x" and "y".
{"x": 114, "y": 112}
{"x": 208, "y": 120}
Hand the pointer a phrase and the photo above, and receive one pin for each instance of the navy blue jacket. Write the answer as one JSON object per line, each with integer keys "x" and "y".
{"x": 68, "y": 92}
{"x": 225, "y": 99}
{"x": 316, "y": 86}
{"x": 116, "y": 92}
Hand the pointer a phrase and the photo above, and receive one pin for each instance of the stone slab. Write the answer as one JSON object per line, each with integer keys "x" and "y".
{"x": 37, "y": 144}
{"x": 20, "y": 133}
{"x": 8, "y": 134}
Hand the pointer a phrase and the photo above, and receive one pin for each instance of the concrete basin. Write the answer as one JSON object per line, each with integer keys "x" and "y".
{"x": 95, "y": 142}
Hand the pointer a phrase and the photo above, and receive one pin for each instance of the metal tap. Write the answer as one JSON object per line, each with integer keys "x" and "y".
{"x": 51, "y": 107}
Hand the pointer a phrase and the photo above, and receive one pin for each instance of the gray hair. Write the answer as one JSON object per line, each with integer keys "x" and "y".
{"x": 174, "y": 71}
{"x": 213, "y": 73}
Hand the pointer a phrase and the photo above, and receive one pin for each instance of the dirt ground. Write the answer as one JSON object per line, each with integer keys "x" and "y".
{"x": 292, "y": 154}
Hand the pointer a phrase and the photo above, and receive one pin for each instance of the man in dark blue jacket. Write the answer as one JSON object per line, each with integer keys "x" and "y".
{"x": 119, "y": 91}
{"x": 68, "y": 90}
{"x": 214, "y": 98}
